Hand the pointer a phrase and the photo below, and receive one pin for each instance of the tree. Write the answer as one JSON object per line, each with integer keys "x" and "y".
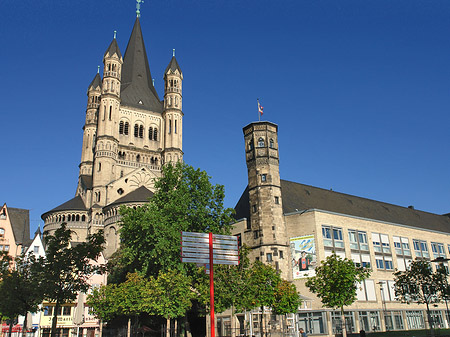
{"x": 419, "y": 284}
{"x": 20, "y": 287}
{"x": 185, "y": 200}
{"x": 336, "y": 282}
{"x": 65, "y": 270}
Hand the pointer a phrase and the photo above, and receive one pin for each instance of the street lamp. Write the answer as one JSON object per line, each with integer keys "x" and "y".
{"x": 383, "y": 303}
{"x": 441, "y": 261}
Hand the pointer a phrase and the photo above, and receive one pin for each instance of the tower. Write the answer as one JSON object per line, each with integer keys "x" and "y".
{"x": 173, "y": 115}
{"x": 269, "y": 239}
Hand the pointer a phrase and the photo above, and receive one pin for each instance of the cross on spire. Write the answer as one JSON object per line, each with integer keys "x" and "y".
{"x": 138, "y": 7}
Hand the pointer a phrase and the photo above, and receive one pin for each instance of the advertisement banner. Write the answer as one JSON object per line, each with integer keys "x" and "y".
{"x": 303, "y": 252}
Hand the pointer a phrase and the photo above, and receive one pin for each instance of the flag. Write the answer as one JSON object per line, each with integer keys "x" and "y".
{"x": 260, "y": 108}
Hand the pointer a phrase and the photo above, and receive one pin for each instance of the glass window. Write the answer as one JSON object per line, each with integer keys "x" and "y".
{"x": 66, "y": 311}
{"x": 421, "y": 248}
{"x": 263, "y": 177}
{"x": 332, "y": 237}
{"x": 313, "y": 323}
{"x": 260, "y": 142}
{"x": 6, "y": 248}
{"x": 415, "y": 320}
{"x": 36, "y": 249}
{"x": 376, "y": 242}
{"x": 438, "y": 250}
{"x": 269, "y": 257}
{"x": 369, "y": 321}
{"x": 2, "y": 232}
{"x": 336, "y": 321}
{"x": 48, "y": 311}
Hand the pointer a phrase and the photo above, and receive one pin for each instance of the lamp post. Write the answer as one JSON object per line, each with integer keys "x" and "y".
{"x": 441, "y": 261}
{"x": 383, "y": 303}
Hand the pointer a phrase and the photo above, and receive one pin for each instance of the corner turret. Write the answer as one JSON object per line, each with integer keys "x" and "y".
{"x": 173, "y": 115}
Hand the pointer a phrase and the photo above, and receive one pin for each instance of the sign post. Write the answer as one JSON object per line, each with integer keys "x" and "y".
{"x": 203, "y": 248}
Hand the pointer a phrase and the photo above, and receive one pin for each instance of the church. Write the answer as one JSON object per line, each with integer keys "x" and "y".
{"x": 129, "y": 133}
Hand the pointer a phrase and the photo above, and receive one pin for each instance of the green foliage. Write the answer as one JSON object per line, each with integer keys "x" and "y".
{"x": 65, "y": 269}
{"x": 185, "y": 201}
{"x": 336, "y": 281}
{"x": 169, "y": 295}
{"x": 19, "y": 286}
{"x": 286, "y": 299}
{"x": 418, "y": 283}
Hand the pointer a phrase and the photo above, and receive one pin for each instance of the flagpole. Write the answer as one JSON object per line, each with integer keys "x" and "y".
{"x": 259, "y": 115}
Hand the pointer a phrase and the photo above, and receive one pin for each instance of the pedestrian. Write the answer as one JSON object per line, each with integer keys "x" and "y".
{"x": 303, "y": 333}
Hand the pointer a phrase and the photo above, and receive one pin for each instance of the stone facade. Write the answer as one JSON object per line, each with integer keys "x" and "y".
{"x": 305, "y": 224}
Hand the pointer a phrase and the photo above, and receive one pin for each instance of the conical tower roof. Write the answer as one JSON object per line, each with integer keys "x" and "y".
{"x": 137, "y": 88}
{"x": 96, "y": 83}
{"x": 173, "y": 65}
{"x": 113, "y": 48}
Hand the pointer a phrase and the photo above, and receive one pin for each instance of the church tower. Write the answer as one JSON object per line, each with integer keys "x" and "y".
{"x": 173, "y": 114}
{"x": 129, "y": 133}
{"x": 269, "y": 239}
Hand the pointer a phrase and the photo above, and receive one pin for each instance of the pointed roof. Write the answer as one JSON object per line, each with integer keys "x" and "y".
{"x": 137, "y": 89}
{"x": 173, "y": 65}
{"x": 74, "y": 204}
{"x": 20, "y": 223}
{"x": 96, "y": 83}
{"x": 113, "y": 48}
{"x": 141, "y": 194}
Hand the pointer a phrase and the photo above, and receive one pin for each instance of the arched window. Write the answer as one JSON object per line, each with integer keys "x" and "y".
{"x": 2, "y": 232}
{"x": 138, "y": 158}
{"x": 141, "y": 131}
{"x": 250, "y": 145}
{"x": 170, "y": 126}
{"x": 175, "y": 126}
{"x": 77, "y": 217}
{"x": 125, "y": 130}
{"x": 64, "y": 218}
{"x": 271, "y": 143}
{"x": 150, "y": 133}
{"x": 83, "y": 218}
{"x": 136, "y": 130}
{"x": 260, "y": 142}
{"x": 110, "y": 112}
{"x": 155, "y": 134}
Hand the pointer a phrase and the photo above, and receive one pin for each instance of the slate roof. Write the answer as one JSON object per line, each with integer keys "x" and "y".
{"x": 299, "y": 197}
{"x": 113, "y": 48}
{"x": 141, "y": 194}
{"x": 173, "y": 65}
{"x": 86, "y": 181}
{"x": 137, "y": 85}
{"x": 96, "y": 82}
{"x": 74, "y": 204}
{"x": 20, "y": 223}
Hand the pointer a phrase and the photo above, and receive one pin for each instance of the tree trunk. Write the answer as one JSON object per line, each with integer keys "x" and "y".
{"x": 167, "y": 327}
{"x": 11, "y": 324}
{"x": 430, "y": 320}
{"x": 24, "y": 326}
{"x": 187, "y": 327}
{"x": 261, "y": 326}
{"x": 344, "y": 327}
{"x": 55, "y": 319}
{"x": 129, "y": 327}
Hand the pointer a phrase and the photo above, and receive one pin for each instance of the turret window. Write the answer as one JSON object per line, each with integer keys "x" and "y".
{"x": 261, "y": 142}
{"x": 141, "y": 132}
{"x": 121, "y": 126}
{"x": 271, "y": 143}
{"x": 170, "y": 126}
{"x": 110, "y": 112}
{"x": 155, "y": 134}
{"x": 125, "y": 130}
{"x": 175, "y": 126}
{"x": 150, "y": 133}
{"x": 136, "y": 130}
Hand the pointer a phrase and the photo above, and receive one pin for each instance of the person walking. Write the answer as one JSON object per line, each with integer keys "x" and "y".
{"x": 302, "y": 333}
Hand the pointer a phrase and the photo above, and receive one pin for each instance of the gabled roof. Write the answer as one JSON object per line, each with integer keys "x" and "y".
{"x": 173, "y": 65}
{"x": 137, "y": 85}
{"x": 20, "y": 223}
{"x": 96, "y": 83}
{"x": 113, "y": 48}
{"x": 299, "y": 197}
{"x": 74, "y": 204}
{"x": 141, "y": 194}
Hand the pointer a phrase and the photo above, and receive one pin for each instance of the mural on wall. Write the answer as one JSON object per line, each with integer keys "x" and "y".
{"x": 303, "y": 252}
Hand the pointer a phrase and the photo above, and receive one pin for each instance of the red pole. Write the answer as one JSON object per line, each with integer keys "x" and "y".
{"x": 211, "y": 284}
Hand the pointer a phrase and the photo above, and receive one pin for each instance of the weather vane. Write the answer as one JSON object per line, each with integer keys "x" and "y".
{"x": 138, "y": 7}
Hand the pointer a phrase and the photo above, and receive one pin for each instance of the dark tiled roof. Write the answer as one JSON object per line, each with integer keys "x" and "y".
{"x": 137, "y": 85}
{"x": 20, "y": 222}
{"x": 74, "y": 204}
{"x": 299, "y": 197}
{"x": 113, "y": 48}
{"x": 96, "y": 82}
{"x": 141, "y": 194}
{"x": 86, "y": 181}
{"x": 173, "y": 65}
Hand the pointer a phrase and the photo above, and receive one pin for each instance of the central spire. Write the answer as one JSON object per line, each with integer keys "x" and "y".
{"x": 137, "y": 87}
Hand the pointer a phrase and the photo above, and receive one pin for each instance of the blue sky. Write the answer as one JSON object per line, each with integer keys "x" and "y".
{"x": 359, "y": 90}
